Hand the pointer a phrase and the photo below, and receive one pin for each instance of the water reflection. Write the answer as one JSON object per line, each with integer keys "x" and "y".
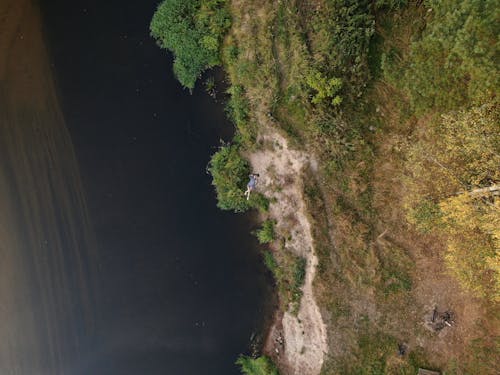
{"x": 45, "y": 296}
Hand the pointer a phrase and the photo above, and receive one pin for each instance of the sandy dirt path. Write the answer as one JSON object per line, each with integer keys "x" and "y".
{"x": 303, "y": 337}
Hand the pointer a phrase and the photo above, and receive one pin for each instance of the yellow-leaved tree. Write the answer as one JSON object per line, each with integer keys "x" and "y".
{"x": 454, "y": 188}
{"x": 472, "y": 222}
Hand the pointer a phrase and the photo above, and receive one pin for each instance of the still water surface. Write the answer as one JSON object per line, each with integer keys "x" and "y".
{"x": 113, "y": 258}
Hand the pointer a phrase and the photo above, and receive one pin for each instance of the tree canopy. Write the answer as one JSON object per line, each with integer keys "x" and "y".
{"x": 193, "y": 31}
{"x": 455, "y": 62}
{"x": 230, "y": 174}
{"x": 460, "y": 156}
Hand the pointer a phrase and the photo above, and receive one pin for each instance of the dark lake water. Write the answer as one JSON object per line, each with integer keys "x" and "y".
{"x": 114, "y": 257}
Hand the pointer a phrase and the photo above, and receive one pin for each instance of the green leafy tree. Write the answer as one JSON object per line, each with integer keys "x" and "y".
{"x": 193, "y": 31}
{"x": 459, "y": 152}
{"x": 230, "y": 175}
{"x": 473, "y": 253}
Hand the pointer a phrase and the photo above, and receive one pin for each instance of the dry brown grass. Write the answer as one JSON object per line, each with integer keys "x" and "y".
{"x": 359, "y": 237}
{"x": 432, "y": 284}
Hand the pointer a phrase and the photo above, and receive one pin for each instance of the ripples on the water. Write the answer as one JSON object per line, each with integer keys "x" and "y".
{"x": 45, "y": 240}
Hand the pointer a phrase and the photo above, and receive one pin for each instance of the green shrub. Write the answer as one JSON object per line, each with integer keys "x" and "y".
{"x": 193, "y": 31}
{"x": 325, "y": 89}
{"x": 266, "y": 233}
{"x": 257, "y": 366}
{"x": 230, "y": 174}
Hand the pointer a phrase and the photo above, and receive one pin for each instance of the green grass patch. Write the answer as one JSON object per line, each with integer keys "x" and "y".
{"x": 238, "y": 110}
{"x": 299, "y": 272}
{"x": 376, "y": 354}
{"x": 426, "y": 215}
{"x": 395, "y": 268}
{"x": 297, "y": 277}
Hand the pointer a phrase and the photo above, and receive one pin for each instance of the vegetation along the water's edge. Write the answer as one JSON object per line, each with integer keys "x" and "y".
{"x": 386, "y": 117}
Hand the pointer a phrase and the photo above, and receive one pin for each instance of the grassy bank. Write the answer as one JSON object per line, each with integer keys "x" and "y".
{"x": 397, "y": 102}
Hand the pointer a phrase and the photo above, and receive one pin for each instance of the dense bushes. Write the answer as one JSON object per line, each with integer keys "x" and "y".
{"x": 340, "y": 36}
{"x": 230, "y": 175}
{"x": 454, "y": 63}
{"x": 193, "y": 31}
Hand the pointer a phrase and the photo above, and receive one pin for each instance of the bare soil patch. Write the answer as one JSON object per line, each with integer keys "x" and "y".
{"x": 298, "y": 343}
